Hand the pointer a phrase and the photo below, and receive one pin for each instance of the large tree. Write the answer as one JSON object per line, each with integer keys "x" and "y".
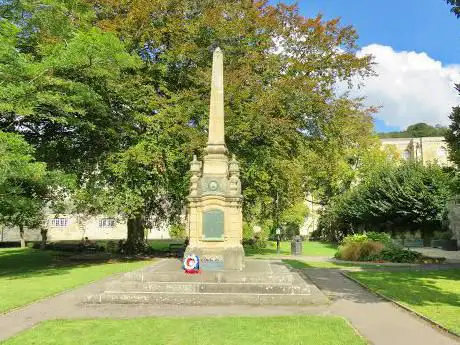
{"x": 126, "y": 104}
{"x": 418, "y": 130}
{"x": 27, "y": 188}
{"x": 280, "y": 73}
{"x": 63, "y": 83}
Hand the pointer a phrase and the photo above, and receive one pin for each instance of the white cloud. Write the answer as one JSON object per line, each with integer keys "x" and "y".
{"x": 411, "y": 87}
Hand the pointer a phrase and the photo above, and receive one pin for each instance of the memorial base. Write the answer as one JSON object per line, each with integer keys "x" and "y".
{"x": 232, "y": 257}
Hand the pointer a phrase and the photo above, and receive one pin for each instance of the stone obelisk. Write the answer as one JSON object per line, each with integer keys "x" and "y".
{"x": 215, "y": 222}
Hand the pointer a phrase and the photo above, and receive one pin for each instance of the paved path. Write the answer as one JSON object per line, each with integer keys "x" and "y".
{"x": 451, "y": 256}
{"x": 378, "y": 321}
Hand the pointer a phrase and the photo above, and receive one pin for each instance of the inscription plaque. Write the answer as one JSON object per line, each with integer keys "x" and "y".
{"x": 213, "y": 225}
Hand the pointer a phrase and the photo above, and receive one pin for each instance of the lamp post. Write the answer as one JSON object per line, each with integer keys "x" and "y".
{"x": 278, "y": 230}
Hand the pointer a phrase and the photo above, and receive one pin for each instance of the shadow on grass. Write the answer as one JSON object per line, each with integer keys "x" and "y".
{"x": 418, "y": 288}
{"x": 411, "y": 286}
{"x": 24, "y": 263}
{"x": 327, "y": 265}
{"x": 310, "y": 248}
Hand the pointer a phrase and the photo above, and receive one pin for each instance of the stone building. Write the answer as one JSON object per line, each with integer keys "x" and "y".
{"x": 425, "y": 150}
{"x": 70, "y": 227}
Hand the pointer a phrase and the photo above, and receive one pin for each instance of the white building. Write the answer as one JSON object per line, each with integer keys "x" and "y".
{"x": 69, "y": 227}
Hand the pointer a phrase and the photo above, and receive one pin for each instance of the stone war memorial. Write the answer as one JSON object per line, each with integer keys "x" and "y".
{"x": 215, "y": 232}
{"x": 215, "y": 221}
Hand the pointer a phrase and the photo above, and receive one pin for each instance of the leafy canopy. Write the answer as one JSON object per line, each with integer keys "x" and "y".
{"x": 405, "y": 197}
{"x": 26, "y": 186}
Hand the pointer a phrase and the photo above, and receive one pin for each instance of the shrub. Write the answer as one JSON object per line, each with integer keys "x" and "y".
{"x": 371, "y": 235}
{"x": 111, "y": 247}
{"x": 381, "y": 237}
{"x": 395, "y": 254}
{"x": 356, "y": 238}
{"x": 403, "y": 197}
{"x": 360, "y": 251}
{"x": 255, "y": 243}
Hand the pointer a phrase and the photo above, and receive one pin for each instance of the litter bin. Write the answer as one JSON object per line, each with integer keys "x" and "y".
{"x": 296, "y": 246}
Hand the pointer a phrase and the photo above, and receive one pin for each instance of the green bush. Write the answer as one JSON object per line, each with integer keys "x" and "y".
{"x": 111, "y": 247}
{"x": 368, "y": 236}
{"x": 381, "y": 237}
{"x": 255, "y": 243}
{"x": 355, "y": 238}
{"x": 247, "y": 231}
{"x": 375, "y": 246}
{"x": 405, "y": 197}
{"x": 359, "y": 251}
{"x": 400, "y": 255}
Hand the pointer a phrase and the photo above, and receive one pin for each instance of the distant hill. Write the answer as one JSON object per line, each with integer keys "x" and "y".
{"x": 418, "y": 130}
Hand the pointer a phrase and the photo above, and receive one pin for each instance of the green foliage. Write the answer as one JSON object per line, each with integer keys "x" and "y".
{"x": 26, "y": 186}
{"x": 455, "y": 7}
{"x": 406, "y": 197}
{"x": 282, "y": 120}
{"x": 255, "y": 243}
{"x": 177, "y": 231}
{"x": 453, "y": 136}
{"x": 366, "y": 250}
{"x": 125, "y": 108}
{"x": 371, "y": 236}
{"x": 247, "y": 231}
{"x": 374, "y": 246}
{"x": 396, "y": 254}
{"x": 418, "y": 130}
{"x": 379, "y": 237}
{"x": 355, "y": 238}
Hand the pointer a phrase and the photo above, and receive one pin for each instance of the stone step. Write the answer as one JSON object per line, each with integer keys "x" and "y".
{"x": 216, "y": 277}
{"x": 142, "y": 297}
{"x": 209, "y": 287}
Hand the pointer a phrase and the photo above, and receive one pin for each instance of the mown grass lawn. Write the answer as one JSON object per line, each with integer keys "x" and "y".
{"x": 290, "y": 330}
{"x": 434, "y": 294}
{"x": 310, "y": 248}
{"x": 27, "y": 275}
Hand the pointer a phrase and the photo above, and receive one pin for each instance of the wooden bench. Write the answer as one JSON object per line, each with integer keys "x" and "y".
{"x": 177, "y": 249}
{"x": 413, "y": 243}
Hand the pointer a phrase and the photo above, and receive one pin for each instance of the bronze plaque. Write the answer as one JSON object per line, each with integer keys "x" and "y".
{"x": 213, "y": 225}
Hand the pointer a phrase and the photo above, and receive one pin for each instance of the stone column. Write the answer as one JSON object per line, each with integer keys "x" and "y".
{"x": 216, "y": 136}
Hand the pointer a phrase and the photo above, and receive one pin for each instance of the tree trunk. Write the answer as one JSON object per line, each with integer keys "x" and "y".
{"x": 21, "y": 235}
{"x": 136, "y": 243}
{"x": 44, "y": 233}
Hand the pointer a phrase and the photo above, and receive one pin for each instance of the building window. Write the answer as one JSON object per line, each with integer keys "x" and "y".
{"x": 406, "y": 155}
{"x": 442, "y": 152}
{"x": 59, "y": 222}
{"x": 106, "y": 222}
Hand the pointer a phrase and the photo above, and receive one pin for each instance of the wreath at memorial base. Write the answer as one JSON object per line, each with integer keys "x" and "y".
{"x": 192, "y": 264}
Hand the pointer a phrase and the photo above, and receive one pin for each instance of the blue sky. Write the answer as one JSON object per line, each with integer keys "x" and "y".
{"x": 420, "y": 38}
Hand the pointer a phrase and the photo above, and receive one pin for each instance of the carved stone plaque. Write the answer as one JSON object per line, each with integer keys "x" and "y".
{"x": 213, "y": 185}
{"x": 213, "y": 225}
